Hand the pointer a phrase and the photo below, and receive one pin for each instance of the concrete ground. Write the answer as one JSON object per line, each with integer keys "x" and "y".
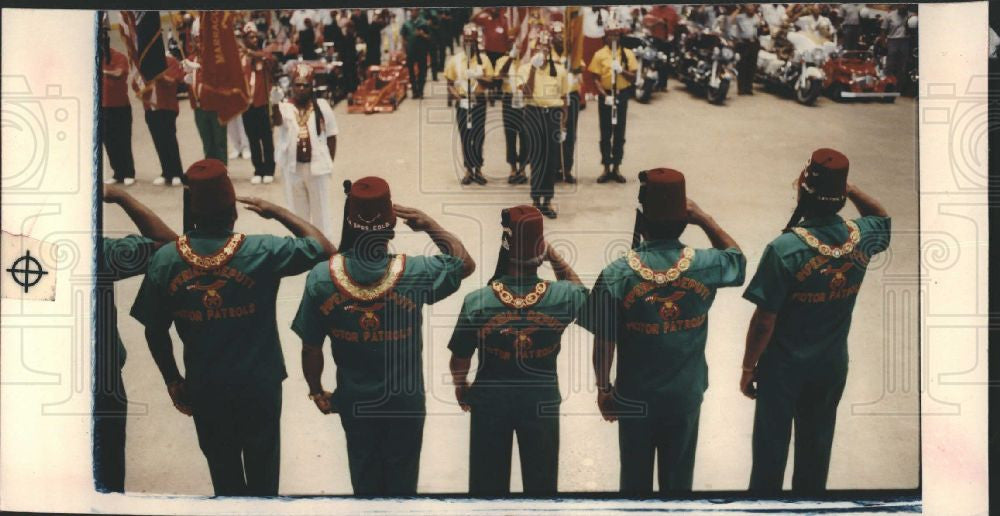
{"x": 740, "y": 160}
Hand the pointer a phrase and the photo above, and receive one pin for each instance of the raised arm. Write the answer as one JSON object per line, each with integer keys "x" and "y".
{"x": 719, "y": 238}
{"x": 866, "y": 204}
{"x": 447, "y": 242}
{"x": 149, "y": 225}
{"x": 562, "y": 269}
{"x": 292, "y": 222}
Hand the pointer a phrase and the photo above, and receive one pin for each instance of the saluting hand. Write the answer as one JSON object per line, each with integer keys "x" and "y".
{"x": 416, "y": 219}
{"x": 696, "y": 215}
{"x": 178, "y": 395}
{"x": 265, "y": 209}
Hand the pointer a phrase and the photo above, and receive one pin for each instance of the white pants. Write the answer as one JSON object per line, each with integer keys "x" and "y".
{"x": 238, "y": 141}
{"x": 308, "y": 196}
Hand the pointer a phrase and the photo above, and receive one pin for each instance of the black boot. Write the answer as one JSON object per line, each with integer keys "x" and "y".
{"x": 546, "y": 209}
{"x": 513, "y": 176}
{"x": 569, "y": 178}
{"x": 605, "y": 176}
{"x": 521, "y": 177}
{"x": 478, "y": 177}
{"x": 467, "y": 180}
{"x": 617, "y": 175}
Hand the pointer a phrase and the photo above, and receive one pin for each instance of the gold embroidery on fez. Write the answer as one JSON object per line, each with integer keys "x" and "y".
{"x": 660, "y": 277}
{"x": 343, "y": 280}
{"x": 518, "y": 302}
{"x": 213, "y": 261}
{"x": 853, "y": 237}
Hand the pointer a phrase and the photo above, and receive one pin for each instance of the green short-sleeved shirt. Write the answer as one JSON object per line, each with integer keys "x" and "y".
{"x": 661, "y": 330}
{"x": 377, "y": 345}
{"x": 225, "y": 316}
{"x": 517, "y": 347}
{"x": 812, "y": 294}
{"x": 121, "y": 258}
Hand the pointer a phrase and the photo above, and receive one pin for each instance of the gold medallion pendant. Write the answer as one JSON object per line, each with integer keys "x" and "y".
{"x": 853, "y": 237}
{"x": 213, "y": 261}
{"x": 366, "y": 293}
{"x": 660, "y": 277}
{"x": 518, "y": 302}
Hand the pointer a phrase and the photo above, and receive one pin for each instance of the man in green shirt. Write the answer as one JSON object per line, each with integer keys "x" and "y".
{"x": 218, "y": 288}
{"x": 516, "y": 323}
{"x": 118, "y": 258}
{"x": 369, "y": 303}
{"x": 652, "y": 305}
{"x": 796, "y": 348}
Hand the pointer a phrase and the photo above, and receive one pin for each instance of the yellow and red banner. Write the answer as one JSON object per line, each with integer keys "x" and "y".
{"x": 224, "y": 85}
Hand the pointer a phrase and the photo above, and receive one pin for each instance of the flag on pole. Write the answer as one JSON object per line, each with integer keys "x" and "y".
{"x": 574, "y": 37}
{"x": 144, "y": 42}
{"x": 224, "y": 85}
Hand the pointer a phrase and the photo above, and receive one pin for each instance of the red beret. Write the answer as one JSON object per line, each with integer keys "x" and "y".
{"x": 211, "y": 190}
{"x": 826, "y": 175}
{"x": 523, "y": 235}
{"x": 663, "y": 196}
{"x": 369, "y": 205}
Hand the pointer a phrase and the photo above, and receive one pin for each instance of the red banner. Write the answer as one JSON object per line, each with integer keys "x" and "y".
{"x": 224, "y": 86}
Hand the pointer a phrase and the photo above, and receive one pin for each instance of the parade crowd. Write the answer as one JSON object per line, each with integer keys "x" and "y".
{"x": 648, "y": 310}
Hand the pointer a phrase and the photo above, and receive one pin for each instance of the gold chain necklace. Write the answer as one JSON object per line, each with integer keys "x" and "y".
{"x": 342, "y": 279}
{"x": 513, "y": 301}
{"x": 660, "y": 277}
{"x": 214, "y": 261}
{"x": 853, "y": 237}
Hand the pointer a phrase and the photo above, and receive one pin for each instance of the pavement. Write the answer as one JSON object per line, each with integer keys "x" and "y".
{"x": 740, "y": 160}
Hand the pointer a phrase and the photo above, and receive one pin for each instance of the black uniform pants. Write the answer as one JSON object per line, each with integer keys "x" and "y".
{"x": 118, "y": 140}
{"x": 851, "y": 33}
{"x": 789, "y": 394}
{"x": 383, "y": 452}
{"x": 514, "y": 130}
{"x": 110, "y": 411}
{"x": 257, "y": 122}
{"x": 613, "y": 136}
{"x": 438, "y": 55}
{"x": 671, "y": 438}
{"x": 162, "y": 125}
{"x": 241, "y": 438}
{"x": 572, "y": 119}
{"x": 543, "y": 125}
{"x": 418, "y": 73}
{"x": 747, "y": 65}
{"x": 491, "y": 444}
{"x": 472, "y": 138}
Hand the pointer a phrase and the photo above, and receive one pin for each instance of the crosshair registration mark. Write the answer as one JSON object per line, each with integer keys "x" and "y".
{"x": 30, "y": 276}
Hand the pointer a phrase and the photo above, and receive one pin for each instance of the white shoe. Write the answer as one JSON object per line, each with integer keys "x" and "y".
{"x": 234, "y": 154}
{"x": 129, "y": 181}
{"x": 245, "y": 154}
{"x": 175, "y": 181}
{"x": 160, "y": 181}
{"x": 111, "y": 181}
{"x": 255, "y": 180}
{"x": 268, "y": 180}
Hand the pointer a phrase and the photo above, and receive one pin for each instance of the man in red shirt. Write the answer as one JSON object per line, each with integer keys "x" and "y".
{"x": 116, "y": 113}
{"x": 212, "y": 132}
{"x": 257, "y": 66}
{"x": 159, "y": 99}
{"x": 497, "y": 39}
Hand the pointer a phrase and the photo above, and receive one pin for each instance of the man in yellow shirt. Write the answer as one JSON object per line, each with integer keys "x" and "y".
{"x": 545, "y": 89}
{"x": 573, "y": 101}
{"x": 512, "y": 101}
{"x": 469, "y": 73}
{"x": 614, "y": 76}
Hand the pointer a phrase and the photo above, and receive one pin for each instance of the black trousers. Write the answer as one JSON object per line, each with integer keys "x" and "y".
{"x": 491, "y": 444}
{"x": 257, "y": 122}
{"x": 241, "y": 438}
{"x": 789, "y": 394}
{"x": 162, "y": 125}
{"x": 418, "y": 73}
{"x": 110, "y": 411}
{"x": 438, "y": 55}
{"x": 118, "y": 140}
{"x": 850, "y": 36}
{"x": 613, "y": 136}
{"x": 671, "y": 439}
{"x": 472, "y": 138}
{"x": 514, "y": 130}
{"x": 747, "y": 66}
{"x": 543, "y": 148}
{"x": 383, "y": 452}
{"x": 572, "y": 119}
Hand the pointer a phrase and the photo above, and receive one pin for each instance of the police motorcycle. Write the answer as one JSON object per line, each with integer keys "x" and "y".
{"x": 707, "y": 62}
{"x": 654, "y": 64}
{"x": 792, "y": 61}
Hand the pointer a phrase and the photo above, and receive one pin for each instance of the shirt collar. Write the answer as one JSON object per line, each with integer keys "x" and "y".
{"x": 825, "y": 220}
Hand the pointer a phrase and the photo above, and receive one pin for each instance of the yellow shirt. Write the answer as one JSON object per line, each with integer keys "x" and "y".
{"x": 548, "y": 91}
{"x": 456, "y": 70}
{"x": 574, "y": 79}
{"x": 600, "y": 65}
{"x": 511, "y": 73}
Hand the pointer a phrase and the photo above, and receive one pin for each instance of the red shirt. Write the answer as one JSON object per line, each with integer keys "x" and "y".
{"x": 164, "y": 90}
{"x": 114, "y": 92}
{"x": 495, "y": 36}
{"x": 258, "y": 74}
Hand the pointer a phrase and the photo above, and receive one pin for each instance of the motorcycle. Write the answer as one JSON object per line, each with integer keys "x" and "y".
{"x": 654, "y": 65}
{"x": 798, "y": 69}
{"x": 707, "y": 62}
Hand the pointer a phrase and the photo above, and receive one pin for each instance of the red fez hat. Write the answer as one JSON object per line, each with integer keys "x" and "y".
{"x": 662, "y": 195}
{"x": 522, "y": 233}
{"x": 369, "y": 205}
{"x": 825, "y": 177}
{"x": 211, "y": 190}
